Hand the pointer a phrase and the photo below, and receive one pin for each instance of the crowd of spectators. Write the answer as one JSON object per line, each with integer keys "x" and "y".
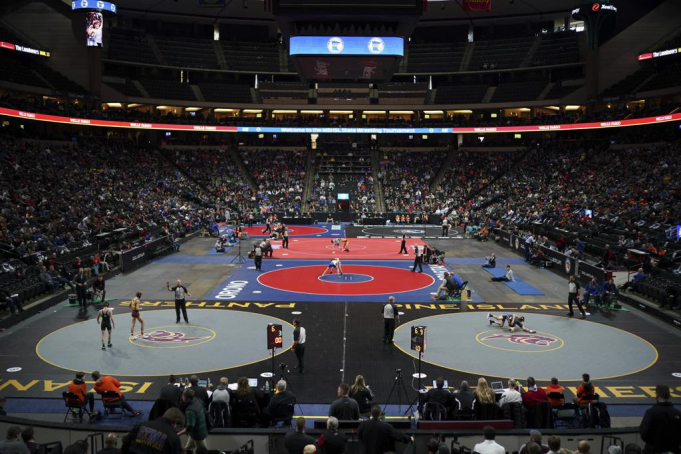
{"x": 406, "y": 178}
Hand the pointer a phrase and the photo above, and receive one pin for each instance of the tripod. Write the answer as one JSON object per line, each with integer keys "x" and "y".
{"x": 239, "y": 258}
{"x": 282, "y": 376}
{"x": 399, "y": 384}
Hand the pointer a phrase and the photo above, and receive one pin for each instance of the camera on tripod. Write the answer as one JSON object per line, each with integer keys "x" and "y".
{"x": 283, "y": 366}
{"x": 398, "y": 371}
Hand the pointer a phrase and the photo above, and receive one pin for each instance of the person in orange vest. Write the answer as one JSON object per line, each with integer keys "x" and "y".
{"x": 108, "y": 383}
{"x": 77, "y": 387}
{"x": 554, "y": 387}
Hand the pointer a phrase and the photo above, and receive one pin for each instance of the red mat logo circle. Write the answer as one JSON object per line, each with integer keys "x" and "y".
{"x": 296, "y": 230}
{"x": 387, "y": 280}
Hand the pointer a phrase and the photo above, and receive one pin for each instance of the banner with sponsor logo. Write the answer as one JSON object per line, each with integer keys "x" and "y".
{"x": 136, "y": 257}
{"x": 587, "y": 272}
{"x": 477, "y": 5}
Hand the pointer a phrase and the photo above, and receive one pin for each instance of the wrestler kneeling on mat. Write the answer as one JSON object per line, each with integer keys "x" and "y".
{"x": 514, "y": 321}
{"x": 335, "y": 264}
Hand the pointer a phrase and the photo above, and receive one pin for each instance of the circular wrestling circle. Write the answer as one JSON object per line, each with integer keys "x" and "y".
{"x": 77, "y": 347}
{"x": 466, "y": 342}
{"x": 385, "y": 280}
{"x": 298, "y": 230}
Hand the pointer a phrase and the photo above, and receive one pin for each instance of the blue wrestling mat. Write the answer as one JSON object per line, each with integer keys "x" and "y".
{"x": 520, "y": 287}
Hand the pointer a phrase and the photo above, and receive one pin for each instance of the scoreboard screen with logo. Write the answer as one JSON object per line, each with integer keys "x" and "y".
{"x": 347, "y": 45}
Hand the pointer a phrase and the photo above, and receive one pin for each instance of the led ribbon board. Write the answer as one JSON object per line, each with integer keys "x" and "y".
{"x": 347, "y": 45}
{"x": 93, "y": 5}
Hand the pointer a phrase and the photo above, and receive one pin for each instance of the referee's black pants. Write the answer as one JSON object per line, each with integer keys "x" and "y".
{"x": 181, "y": 305}
{"x": 388, "y": 330}
{"x": 300, "y": 356}
{"x": 572, "y": 297}
{"x": 403, "y": 248}
{"x": 284, "y": 243}
{"x": 418, "y": 261}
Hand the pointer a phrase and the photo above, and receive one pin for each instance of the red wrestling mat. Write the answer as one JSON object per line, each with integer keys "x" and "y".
{"x": 356, "y": 280}
{"x": 293, "y": 230}
{"x": 360, "y": 249}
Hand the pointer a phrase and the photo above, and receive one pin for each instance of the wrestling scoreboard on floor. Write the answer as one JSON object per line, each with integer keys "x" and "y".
{"x": 275, "y": 338}
{"x": 418, "y": 338}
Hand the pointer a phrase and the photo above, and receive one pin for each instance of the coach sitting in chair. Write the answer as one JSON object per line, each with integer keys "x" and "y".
{"x": 448, "y": 286}
{"x": 108, "y": 383}
{"x": 281, "y": 406}
{"x": 592, "y": 290}
{"x": 440, "y": 395}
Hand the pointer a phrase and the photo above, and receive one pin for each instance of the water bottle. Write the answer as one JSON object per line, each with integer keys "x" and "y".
{"x": 267, "y": 385}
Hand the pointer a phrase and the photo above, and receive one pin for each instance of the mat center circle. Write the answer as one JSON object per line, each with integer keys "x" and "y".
{"x": 346, "y": 278}
{"x": 520, "y": 342}
{"x": 176, "y": 336}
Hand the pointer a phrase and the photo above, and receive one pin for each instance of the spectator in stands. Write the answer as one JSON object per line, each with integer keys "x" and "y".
{"x": 170, "y": 391}
{"x": 163, "y": 430}
{"x": 195, "y": 421}
{"x": 13, "y": 444}
{"x": 483, "y": 393}
{"x": 59, "y": 278}
{"x": 535, "y": 437}
{"x": 108, "y": 383}
{"x": 439, "y": 394}
{"x": 581, "y": 248}
{"x": 12, "y": 301}
{"x": 344, "y": 408}
{"x": 245, "y": 407}
{"x": 222, "y": 393}
{"x": 533, "y": 448}
{"x": 607, "y": 259}
{"x": 46, "y": 279}
{"x": 79, "y": 388}
{"x": 378, "y": 437}
{"x": 554, "y": 446}
{"x": 533, "y": 395}
{"x": 464, "y": 398}
{"x": 585, "y": 391}
{"x": 555, "y": 388}
{"x": 638, "y": 278}
{"x": 199, "y": 391}
{"x": 511, "y": 394}
{"x": 362, "y": 394}
{"x": 282, "y": 402}
{"x": 296, "y": 440}
{"x": 584, "y": 447}
{"x": 28, "y": 437}
{"x": 489, "y": 446}
{"x": 79, "y": 447}
{"x": 661, "y": 424}
{"x": 632, "y": 448}
{"x": 332, "y": 441}
{"x": 110, "y": 445}
{"x": 610, "y": 292}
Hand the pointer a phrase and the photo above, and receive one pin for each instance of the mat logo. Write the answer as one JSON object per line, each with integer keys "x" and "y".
{"x": 165, "y": 337}
{"x": 530, "y": 339}
{"x": 568, "y": 266}
{"x": 411, "y": 231}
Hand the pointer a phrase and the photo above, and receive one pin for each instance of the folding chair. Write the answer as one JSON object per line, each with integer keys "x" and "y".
{"x": 111, "y": 405}
{"x": 74, "y": 408}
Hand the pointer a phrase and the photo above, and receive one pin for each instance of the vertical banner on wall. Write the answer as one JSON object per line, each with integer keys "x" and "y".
{"x": 94, "y": 27}
{"x": 477, "y": 5}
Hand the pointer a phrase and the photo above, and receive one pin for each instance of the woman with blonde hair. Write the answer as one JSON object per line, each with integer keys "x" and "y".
{"x": 483, "y": 393}
{"x": 362, "y": 394}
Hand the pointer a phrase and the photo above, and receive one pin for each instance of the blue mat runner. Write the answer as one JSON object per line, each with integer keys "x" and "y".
{"x": 520, "y": 287}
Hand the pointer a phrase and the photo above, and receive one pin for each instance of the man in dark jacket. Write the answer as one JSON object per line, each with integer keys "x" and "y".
{"x": 377, "y": 436}
{"x": 344, "y": 408}
{"x": 199, "y": 391}
{"x": 332, "y": 441}
{"x": 195, "y": 416}
{"x": 171, "y": 392}
{"x": 661, "y": 425}
{"x": 440, "y": 394}
{"x": 156, "y": 437}
{"x": 282, "y": 402}
{"x": 295, "y": 441}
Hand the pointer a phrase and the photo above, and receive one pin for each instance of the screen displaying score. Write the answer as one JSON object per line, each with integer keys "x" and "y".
{"x": 347, "y": 45}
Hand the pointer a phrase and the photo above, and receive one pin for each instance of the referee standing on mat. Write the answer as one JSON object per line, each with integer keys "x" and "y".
{"x": 180, "y": 301}
{"x": 299, "y": 339}
{"x": 389, "y": 316}
{"x": 257, "y": 256}
{"x": 445, "y": 226}
{"x": 418, "y": 259}
{"x": 284, "y": 235}
{"x": 403, "y": 246}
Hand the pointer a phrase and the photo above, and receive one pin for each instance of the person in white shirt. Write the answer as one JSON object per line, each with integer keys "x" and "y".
{"x": 508, "y": 277}
{"x": 489, "y": 446}
{"x": 221, "y": 393}
{"x": 511, "y": 394}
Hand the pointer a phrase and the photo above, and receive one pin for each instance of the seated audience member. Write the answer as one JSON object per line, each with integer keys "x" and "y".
{"x": 535, "y": 437}
{"x": 79, "y": 447}
{"x": 638, "y": 278}
{"x": 108, "y": 383}
{"x": 592, "y": 291}
{"x": 511, "y": 394}
{"x": 489, "y": 446}
{"x": 163, "y": 429}
{"x": 110, "y": 445}
{"x": 99, "y": 289}
{"x": 555, "y": 387}
{"x": 483, "y": 393}
{"x": 440, "y": 394}
{"x": 465, "y": 398}
{"x": 448, "y": 285}
{"x": 170, "y": 391}
{"x": 585, "y": 391}
{"x": 533, "y": 448}
{"x": 14, "y": 444}
{"x": 46, "y": 279}
{"x": 610, "y": 292}
{"x": 554, "y": 446}
{"x": 12, "y": 301}
{"x": 199, "y": 391}
{"x": 491, "y": 261}
{"x": 344, "y": 408}
{"x": 56, "y": 276}
{"x": 584, "y": 447}
{"x": 435, "y": 446}
{"x": 279, "y": 404}
{"x": 378, "y": 437}
{"x": 78, "y": 387}
{"x": 661, "y": 424}
{"x": 28, "y": 437}
{"x": 296, "y": 440}
{"x": 332, "y": 441}
{"x": 533, "y": 395}
{"x": 222, "y": 392}
{"x": 245, "y": 407}
{"x": 362, "y": 394}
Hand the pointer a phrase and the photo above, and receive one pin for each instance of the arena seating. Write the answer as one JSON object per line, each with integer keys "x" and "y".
{"x": 406, "y": 178}
{"x": 284, "y": 92}
{"x": 518, "y": 91}
{"x": 128, "y": 45}
{"x": 434, "y": 57}
{"x": 629, "y": 83}
{"x": 557, "y": 49}
{"x": 222, "y": 92}
{"x": 13, "y": 70}
{"x": 460, "y": 94}
{"x": 166, "y": 89}
{"x": 128, "y": 88}
{"x": 183, "y": 51}
{"x": 502, "y": 53}
{"x": 245, "y": 56}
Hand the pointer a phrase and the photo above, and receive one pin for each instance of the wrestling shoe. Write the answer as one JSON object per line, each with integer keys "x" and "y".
{"x": 109, "y": 345}
{"x": 103, "y": 347}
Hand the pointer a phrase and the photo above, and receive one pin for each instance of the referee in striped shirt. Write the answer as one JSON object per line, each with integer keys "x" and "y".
{"x": 180, "y": 299}
{"x": 299, "y": 339}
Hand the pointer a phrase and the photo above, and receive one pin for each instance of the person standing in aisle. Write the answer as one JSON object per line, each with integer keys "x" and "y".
{"x": 81, "y": 288}
{"x": 299, "y": 339}
{"x": 573, "y": 296}
{"x": 390, "y": 315}
{"x": 181, "y": 293}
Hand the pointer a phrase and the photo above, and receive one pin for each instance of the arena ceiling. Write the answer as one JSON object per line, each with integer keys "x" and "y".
{"x": 438, "y": 10}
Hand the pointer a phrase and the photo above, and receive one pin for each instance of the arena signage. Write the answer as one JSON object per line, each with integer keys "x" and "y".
{"x": 24, "y": 49}
{"x": 304, "y": 130}
{"x": 93, "y": 5}
{"x": 662, "y": 53}
{"x": 347, "y": 45}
